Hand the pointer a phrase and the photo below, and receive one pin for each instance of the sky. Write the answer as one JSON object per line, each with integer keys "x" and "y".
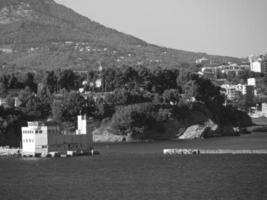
{"x": 222, "y": 27}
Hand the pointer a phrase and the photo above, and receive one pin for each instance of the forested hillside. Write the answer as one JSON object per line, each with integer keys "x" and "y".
{"x": 41, "y": 34}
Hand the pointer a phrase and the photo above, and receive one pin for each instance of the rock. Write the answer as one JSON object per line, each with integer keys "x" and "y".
{"x": 200, "y": 131}
{"x": 107, "y": 135}
{"x": 193, "y": 132}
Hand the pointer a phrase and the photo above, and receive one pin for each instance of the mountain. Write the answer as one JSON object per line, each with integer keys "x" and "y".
{"x": 41, "y": 34}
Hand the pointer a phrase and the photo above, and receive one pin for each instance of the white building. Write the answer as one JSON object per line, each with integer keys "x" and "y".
{"x": 242, "y": 88}
{"x": 256, "y": 66}
{"x": 203, "y": 61}
{"x": 264, "y": 109}
{"x": 98, "y": 83}
{"x": 42, "y": 139}
{"x": 232, "y": 67}
{"x": 226, "y": 69}
{"x": 208, "y": 70}
{"x": 234, "y": 91}
{"x": 82, "y": 125}
{"x": 262, "y": 112}
{"x": 231, "y": 92}
{"x": 252, "y": 82}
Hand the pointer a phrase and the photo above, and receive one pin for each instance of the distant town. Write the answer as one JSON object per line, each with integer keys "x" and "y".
{"x": 244, "y": 85}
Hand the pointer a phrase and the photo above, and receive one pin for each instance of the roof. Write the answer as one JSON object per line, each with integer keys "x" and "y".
{"x": 41, "y": 123}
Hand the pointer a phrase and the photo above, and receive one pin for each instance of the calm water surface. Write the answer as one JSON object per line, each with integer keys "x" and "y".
{"x": 123, "y": 172}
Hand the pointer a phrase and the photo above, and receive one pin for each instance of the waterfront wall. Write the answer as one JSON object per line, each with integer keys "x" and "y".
{"x": 211, "y": 151}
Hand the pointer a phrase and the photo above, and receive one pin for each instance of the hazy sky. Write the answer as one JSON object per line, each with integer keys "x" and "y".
{"x": 225, "y": 27}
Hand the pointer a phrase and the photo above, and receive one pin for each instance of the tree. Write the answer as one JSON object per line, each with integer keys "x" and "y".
{"x": 45, "y": 99}
{"x": 142, "y": 121}
{"x": 32, "y": 108}
{"x": 73, "y": 105}
{"x": 3, "y": 90}
{"x": 133, "y": 119}
{"x": 119, "y": 97}
{"x": 207, "y": 92}
{"x": 109, "y": 79}
{"x": 265, "y": 80}
{"x": 29, "y": 82}
{"x": 25, "y": 95}
{"x": 172, "y": 96}
{"x": 68, "y": 80}
{"x": 190, "y": 90}
{"x": 102, "y": 109}
{"x": 13, "y": 82}
{"x": 51, "y": 81}
{"x": 183, "y": 77}
{"x": 10, "y": 101}
{"x": 57, "y": 111}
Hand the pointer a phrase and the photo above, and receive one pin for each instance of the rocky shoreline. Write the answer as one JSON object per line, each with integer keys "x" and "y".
{"x": 179, "y": 131}
{"x": 6, "y": 151}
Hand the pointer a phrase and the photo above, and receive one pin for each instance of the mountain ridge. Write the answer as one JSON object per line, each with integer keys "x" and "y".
{"x": 44, "y": 34}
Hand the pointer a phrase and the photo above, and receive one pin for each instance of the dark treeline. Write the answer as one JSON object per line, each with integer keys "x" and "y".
{"x": 134, "y": 100}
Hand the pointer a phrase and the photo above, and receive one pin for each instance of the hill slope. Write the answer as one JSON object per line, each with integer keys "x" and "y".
{"x": 42, "y": 34}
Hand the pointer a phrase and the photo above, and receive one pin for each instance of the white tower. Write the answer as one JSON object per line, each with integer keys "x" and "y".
{"x": 82, "y": 125}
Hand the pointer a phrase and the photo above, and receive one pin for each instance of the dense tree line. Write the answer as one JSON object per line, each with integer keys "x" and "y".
{"x": 136, "y": 100}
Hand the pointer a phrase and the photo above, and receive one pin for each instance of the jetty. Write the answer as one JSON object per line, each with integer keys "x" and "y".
{"x": 212, "y": 151}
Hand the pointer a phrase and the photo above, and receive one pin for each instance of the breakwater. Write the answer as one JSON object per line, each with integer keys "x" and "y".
{"x": 211, "y": 151}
